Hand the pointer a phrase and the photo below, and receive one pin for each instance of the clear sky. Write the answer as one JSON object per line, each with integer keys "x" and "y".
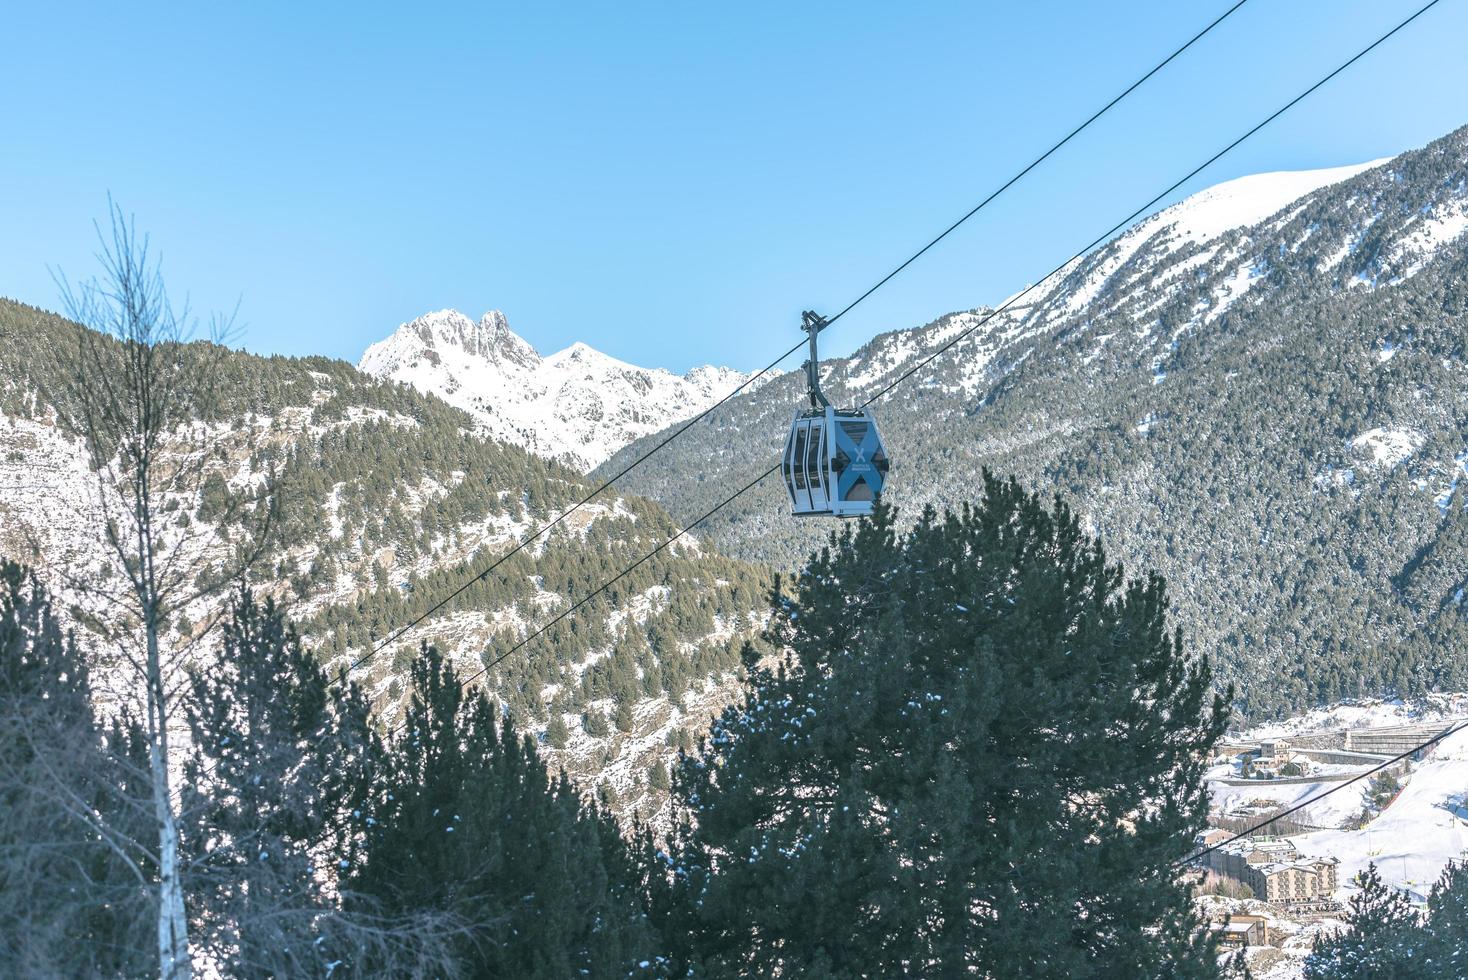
{"x": 672, "y": 183}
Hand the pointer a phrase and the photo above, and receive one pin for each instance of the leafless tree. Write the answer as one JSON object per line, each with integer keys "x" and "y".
{"x": 146, "y": 401}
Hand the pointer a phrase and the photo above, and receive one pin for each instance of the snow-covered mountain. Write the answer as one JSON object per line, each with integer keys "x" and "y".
{"x": 1258, "y": 392}
{"x": 395, "y": 497}
{"x": 577, "y": 406}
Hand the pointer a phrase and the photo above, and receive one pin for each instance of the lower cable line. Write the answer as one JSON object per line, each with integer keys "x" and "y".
{"x": 1441, "y": 736}
{"x": 521, "y": 644}
{"x": 685, "y": 529}
{"x": 549, "y": 526}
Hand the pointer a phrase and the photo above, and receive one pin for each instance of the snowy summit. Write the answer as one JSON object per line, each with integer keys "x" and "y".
{"x": 577, "y": 406}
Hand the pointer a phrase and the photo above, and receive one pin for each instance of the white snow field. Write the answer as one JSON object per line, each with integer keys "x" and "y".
{"x": 1414, "y": 838}
{"x": 1247, "y": 200}
{"x": 1262, "y": 797}
{"x": 1410, "y": 842}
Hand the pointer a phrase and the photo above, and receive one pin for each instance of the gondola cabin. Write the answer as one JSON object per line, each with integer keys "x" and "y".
{"x": 834, "y": 463}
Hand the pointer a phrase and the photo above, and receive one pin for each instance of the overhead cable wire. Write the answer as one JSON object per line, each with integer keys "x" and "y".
{"x": 1174, "y": 186}
{"x": 1037, "y": 161}
{"x": 522, "y": 643}
{"x": 397, "y": 634}
{"x": 1450, "y": 730}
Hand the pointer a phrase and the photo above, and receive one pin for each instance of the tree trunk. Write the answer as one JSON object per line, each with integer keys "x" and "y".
{"x": 173, "y": 934}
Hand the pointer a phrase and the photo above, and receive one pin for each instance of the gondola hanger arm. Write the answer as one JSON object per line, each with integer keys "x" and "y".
{"x": 813, "y": 323}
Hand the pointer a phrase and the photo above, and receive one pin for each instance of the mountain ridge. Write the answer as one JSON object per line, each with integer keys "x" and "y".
{"x": 576, "y": 406}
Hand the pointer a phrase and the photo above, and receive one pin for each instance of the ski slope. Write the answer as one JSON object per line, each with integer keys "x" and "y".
{"x": 1414, "y": 838}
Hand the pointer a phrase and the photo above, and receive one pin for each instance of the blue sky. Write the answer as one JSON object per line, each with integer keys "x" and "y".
{"x": 671, "y": 183}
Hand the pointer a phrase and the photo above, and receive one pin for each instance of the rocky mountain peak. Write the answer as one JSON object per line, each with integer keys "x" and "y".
{"x": 577, "y": 406}
{"x": 490, "y": 339}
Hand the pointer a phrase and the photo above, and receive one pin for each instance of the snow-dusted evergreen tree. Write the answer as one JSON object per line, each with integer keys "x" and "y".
{"x": 283, "y": 760}
{"x": 77, "y": 881}
{"x": 1383, "y": 941}
{"x": 1447, "y": 922}
{"x": 981, "y": 757}
{"x": 557, "y": 735}
{"x": 469, "y": 824}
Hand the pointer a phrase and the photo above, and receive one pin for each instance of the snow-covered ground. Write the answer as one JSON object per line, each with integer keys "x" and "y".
{"x": 1263, "y": 797}
{"x": 1198, "y": 220}
{"x": 1411, "y": 841}
{"x": 1248, "y": 200}
{"x": 1414, "y": 838}
{"x": 1290, "y": 941}
{"x": 1388, "y": 447}
{"x": 1364, "y": 714}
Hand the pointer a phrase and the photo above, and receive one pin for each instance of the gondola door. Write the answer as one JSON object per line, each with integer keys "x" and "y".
{"x": 817, "y": 470}
{"x": 799, "y": 486}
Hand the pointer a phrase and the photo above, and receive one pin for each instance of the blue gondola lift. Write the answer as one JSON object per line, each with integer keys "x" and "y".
{"x": 834, "y": 463}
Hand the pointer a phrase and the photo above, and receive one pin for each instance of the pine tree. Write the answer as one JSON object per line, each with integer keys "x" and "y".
{"x": 556, "y": 732}
{"x": 982, "y": 755}
{"x": 76, "y": 874}
{"x": 283, "y": 762}
{"x": 1383, "y": 942}
{"x": 594, "y": 721}
{"x": 1446, "y": 946}
{"x": 473, "y": 826}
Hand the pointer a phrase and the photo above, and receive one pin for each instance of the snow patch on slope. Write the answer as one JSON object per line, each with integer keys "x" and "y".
{"x": 1388, "y": 447}
{"x": 1195, "y": 221}
{"x": 1446, "y": 223}
{"x": 1247, "y": 200}
{"x": 1414, "y": 838}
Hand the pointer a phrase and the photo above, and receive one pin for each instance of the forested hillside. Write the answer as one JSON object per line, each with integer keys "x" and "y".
{"x": 1273, "y": 415}
{"x": 389, "y": 500}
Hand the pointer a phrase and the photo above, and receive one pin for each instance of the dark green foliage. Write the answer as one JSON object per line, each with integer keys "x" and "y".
{"x": 1380, "y": 791}
{"x": 981, "y": 757}
{"x": 1446, "y": 945}
{"x": 681, "y": 739}
{"x": 557, "y": 735}
{"x": 1383, "y": 789}
{"x": 469, "y": 824}
{"x": 76, "y": 879}
{"x": 1387, "y": 939}
{"x": 283, "y": 765}
{"x": 594, "y": 721}
{"x": 1383, "y": 941}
